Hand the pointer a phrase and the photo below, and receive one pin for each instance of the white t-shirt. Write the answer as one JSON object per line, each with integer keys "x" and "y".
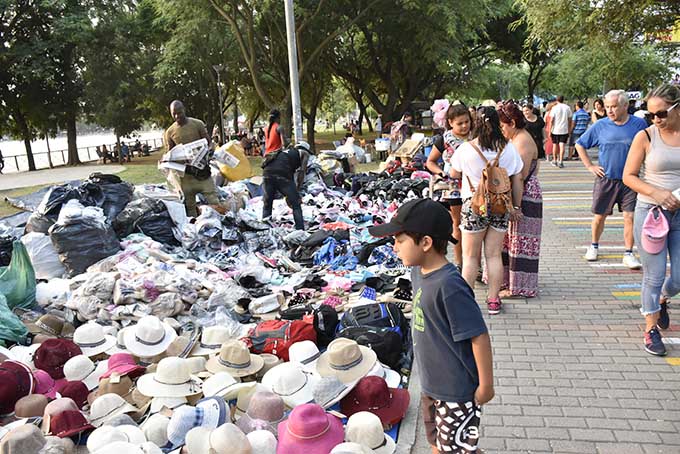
{"x": 467, "y": 161}
{"x": 560, "y": 114}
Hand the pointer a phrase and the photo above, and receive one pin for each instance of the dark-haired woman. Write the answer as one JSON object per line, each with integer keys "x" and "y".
{"x": 522, "y": 245}
{"x": 598, "y": 111}
{"x": 486, "y": 230}
{"x": 457, "y": 125}
{"x": 534, "y": 125}
{"x": 274, "y": 138}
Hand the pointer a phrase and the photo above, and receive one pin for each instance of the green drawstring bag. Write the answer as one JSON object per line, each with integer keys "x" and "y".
{"x": 17, "y": 281}
{"x": 12, "y": 330}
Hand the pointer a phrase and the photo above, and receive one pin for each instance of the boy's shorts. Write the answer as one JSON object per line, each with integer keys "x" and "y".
{"x": 451, "y": 427}
{"x": 472, "y": 222}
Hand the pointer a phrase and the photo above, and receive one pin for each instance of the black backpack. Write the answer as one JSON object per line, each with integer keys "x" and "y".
{"x": 379, "y": 315}
{"x": 383, "y": 341}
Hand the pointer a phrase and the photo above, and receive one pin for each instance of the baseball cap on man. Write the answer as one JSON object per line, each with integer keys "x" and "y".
{"x": 423, "y": 216}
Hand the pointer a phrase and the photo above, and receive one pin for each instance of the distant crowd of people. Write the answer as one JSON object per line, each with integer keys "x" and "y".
{"x": 122, "y": 152}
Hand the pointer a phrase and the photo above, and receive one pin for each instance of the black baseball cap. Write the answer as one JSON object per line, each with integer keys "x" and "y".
{"x": 423, "y": 216}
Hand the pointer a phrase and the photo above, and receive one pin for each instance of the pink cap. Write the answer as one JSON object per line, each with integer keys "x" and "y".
{"x": 654, "y": 231}
{"x": 45, "y": 384}
{"x": 123, "y": 364}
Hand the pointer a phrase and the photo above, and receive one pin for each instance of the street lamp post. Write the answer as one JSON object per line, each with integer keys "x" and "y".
{"x": 217, "y": 69}
{"x": 293, "y": 70}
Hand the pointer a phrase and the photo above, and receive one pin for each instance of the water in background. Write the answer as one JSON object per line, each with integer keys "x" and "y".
{"x": 16, "y": 148}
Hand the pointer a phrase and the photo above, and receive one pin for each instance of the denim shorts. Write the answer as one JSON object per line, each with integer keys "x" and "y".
{"x": 472, "y": 222}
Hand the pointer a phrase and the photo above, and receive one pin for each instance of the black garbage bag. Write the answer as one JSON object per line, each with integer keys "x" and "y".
{"x": 82, "y": 242}
{"x": 47, "y": 212}
{"x": 6, "y": 249}
{"x": 148, "y": 216}
{"x": 116, "y": 193}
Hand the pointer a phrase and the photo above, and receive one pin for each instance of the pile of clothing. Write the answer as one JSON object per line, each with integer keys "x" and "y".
{"x": 221, "y": 333}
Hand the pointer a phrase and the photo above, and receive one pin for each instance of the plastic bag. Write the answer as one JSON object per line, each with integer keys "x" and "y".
{"x": 148, "y": 216}
{"x": 12, "y": 329}
{"x": 50, "y": 206}
{"x": 116, "y": 193}
{"x": 82, "y": 237}
{"x": 17, "y": 281}
{"x": 43, "y": 256}
{"x": 53, "y": 293}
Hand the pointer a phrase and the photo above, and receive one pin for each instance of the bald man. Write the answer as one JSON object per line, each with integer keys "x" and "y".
{"x": 195, "y": 181}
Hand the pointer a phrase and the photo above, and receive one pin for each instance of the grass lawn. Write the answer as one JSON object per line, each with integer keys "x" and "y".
{"x": 144, "y": 171}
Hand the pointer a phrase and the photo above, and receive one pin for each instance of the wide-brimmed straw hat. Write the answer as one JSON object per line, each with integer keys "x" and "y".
{"x": 81, "y": 368}
{"x": 91, "y": 339}
{"x": 172, "y": 379}
{"x": 224, "y": 385}
{"x": 149, "y": 337}
{"x": 211, "y": 341}
{"x": 328, "y": 391}
{"x": 51, "y": 326}
{"x": 306, "y": 353}
{"x": 346, "y": 360}
{"x": 235, "y": 358}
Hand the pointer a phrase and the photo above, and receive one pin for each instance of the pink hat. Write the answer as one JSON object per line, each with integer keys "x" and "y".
{"x": 309, "y": 429}
{"x": 123, "y": 364}
{"x": 45, "y": 384}
{"x": 654, "y": 231}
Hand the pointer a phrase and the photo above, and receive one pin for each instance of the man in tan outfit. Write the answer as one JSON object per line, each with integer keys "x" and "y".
{"x": 195, "y": 181}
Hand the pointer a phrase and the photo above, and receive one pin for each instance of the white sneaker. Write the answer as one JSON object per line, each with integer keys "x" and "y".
{"x": 631, "y": 262}
{"x": 591, "y": 254}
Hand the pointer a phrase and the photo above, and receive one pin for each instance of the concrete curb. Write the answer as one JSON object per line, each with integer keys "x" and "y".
{"x": 409, "y": 425}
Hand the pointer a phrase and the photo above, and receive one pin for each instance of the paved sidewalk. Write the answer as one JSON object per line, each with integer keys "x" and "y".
{"x": 571, "y": 374}
{"x": 56, "y": 175}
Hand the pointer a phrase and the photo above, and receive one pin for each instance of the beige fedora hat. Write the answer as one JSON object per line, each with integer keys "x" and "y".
{"x": 172, "y": 378}
{"x": 235, "y": 358}
{"x": 108, "y": 406}
{"x": 346, "y": 360}
{"x": 211, "y": 341}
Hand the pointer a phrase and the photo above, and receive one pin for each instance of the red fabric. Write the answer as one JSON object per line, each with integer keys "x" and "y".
{"x": 276, "y": 336}
{"x": 272, "y": 139}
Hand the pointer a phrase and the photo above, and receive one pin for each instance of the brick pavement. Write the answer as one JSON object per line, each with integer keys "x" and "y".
{"x": 571, "y": 375}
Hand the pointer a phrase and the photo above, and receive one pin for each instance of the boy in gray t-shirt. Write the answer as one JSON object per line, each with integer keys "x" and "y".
{"x": 450, "y": 339}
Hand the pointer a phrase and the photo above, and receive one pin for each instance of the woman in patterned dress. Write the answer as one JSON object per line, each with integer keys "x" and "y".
{"x": 522, "y": 245}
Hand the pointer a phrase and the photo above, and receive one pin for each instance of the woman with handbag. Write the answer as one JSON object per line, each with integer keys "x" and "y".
{"x": 522, "y": 245}
{"x": 657, "y": 219}
{"x": 487, "y": 160}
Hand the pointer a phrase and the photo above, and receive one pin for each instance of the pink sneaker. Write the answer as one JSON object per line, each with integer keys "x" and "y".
{"x": 494, "y": 307}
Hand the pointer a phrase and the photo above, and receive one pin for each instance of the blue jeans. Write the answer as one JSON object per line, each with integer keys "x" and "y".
{"x": 654, "y": 280}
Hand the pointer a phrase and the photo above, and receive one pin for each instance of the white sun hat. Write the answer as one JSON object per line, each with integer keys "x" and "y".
{"x": 92, "y": 340}
{"x": 107, "y": 406}
{"x": 306, "y": 353}
{"x": 366, "y": 428}
{"x": 172, "y": 379}
{"x": 224, "y": 385}
{"x": 292, "y": 383}
{"x": 211, "y": 341}
{"x": 106, "y": 435}
{"x": 81, "y": 368}
{"x": 149, "y": 337}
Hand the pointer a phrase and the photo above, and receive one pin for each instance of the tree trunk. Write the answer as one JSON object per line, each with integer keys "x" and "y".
{"x": 360, "y": 122}
{"x": 49, "y": 152}
{"x": 311, "y": 121}
{"x": 236, "y": 130}
{"x": 71, "y": 137}
{"x": 119, "y": 150}
{"x": 26, "y": 135}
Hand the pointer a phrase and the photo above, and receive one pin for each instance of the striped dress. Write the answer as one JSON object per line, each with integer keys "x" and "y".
{"x": 522, "y": 244}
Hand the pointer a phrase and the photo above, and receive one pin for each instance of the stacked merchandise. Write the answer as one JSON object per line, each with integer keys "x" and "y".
{"x": 219, "y": 334}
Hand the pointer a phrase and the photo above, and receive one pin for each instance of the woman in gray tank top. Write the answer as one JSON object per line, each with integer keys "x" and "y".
{"x": 653, "y": 171}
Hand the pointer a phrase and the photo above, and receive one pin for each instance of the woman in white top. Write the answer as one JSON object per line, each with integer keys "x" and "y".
{"x": 488, "y": 230}
{"x": 656, "y": 151}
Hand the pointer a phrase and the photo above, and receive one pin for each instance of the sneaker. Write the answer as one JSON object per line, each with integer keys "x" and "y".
{"x": 561, "y": 164}
{"x": 664, "y": 320}
{"x": 631, "y": 262}
{"x": 591, "y": 254}
{"x": 554, "y": 163}
{"x": 653, "y": 343}
{"x": 494, "y": 307}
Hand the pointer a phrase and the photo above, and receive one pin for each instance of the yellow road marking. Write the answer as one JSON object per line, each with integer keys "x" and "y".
{"x": 673, "y": 361}
{"x": 629, "y": 293}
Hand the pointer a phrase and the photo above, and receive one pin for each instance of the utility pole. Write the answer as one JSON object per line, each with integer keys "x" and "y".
{"x": 293, "y": 70}
{"x": 217, "y": 69}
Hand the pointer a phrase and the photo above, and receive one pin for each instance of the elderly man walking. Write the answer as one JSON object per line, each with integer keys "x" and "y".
{"x": 613, "y": 135}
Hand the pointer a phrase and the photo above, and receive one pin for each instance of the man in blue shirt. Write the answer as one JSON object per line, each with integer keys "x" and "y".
{"x": 613, "y": 136}
{"x": 579, "y": 124}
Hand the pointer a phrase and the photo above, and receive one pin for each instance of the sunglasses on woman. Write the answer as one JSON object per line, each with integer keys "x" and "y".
{"x": 662, "y": 113}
